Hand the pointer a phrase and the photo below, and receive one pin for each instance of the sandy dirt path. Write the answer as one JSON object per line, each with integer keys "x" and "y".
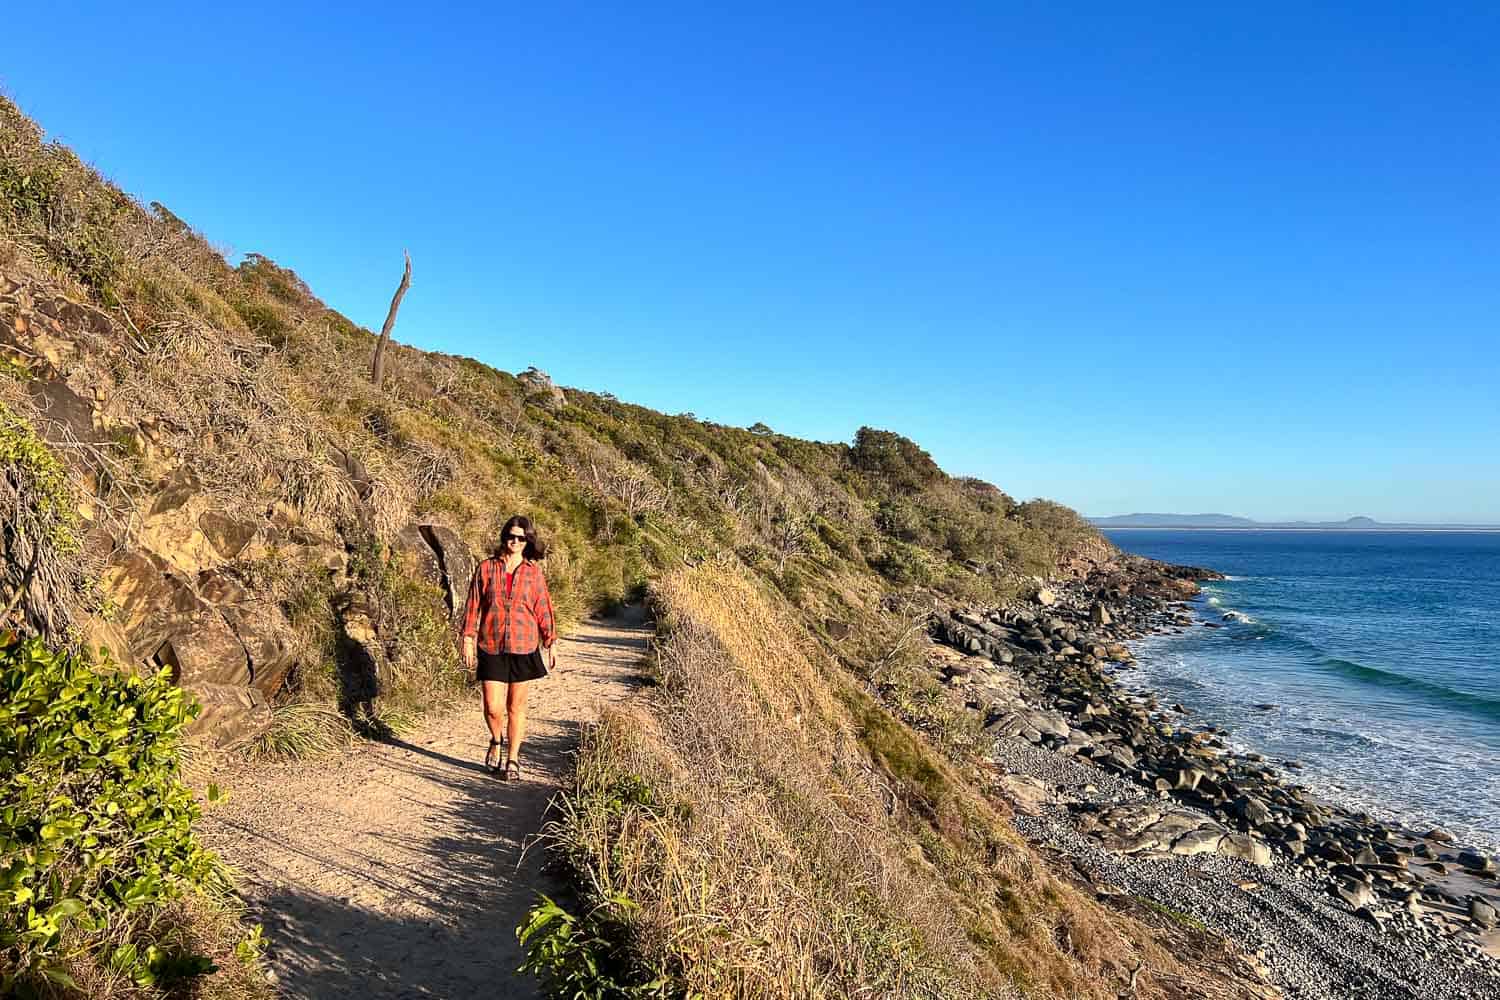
{"x": 398, "y": 870}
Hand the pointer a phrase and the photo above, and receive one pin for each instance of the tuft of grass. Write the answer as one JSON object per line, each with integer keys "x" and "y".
{"x": 302, "y": 732}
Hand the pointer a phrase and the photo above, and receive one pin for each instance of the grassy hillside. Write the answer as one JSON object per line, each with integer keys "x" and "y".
{"x": 761, "y": 827}
{"x": 822, "y": 847}
{"x": 243, "y": 374}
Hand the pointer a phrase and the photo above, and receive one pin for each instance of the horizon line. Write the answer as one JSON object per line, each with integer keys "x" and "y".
{"x": 1302, "y": 521}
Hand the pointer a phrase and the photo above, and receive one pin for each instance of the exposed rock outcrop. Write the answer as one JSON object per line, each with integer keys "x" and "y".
{"x": 437, "y": 554}
{"x": 540, "y": 389}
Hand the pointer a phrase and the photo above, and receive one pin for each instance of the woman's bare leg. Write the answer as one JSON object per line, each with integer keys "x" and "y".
{"x": 515, "y": 707}
{"x": 493, "y": 700}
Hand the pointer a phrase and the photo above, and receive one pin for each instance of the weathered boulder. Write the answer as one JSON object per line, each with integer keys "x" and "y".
{"x": 231, "y": 713}
{"x": 202, "y": 650}
{"x": 438, "y": 555}
{"x": 1252, "y": 810}
{"x": 211, "y": 632}
{"x": 171, "y": 530}
{"x": 1251, "y": 849}
{"x": 167, "y": 624}
{"x": 1354, "y": 893}
{"x": 229, "y": 536}
{"x": 1152, "y": 828}
{"x": 139, "y": 587}
{"x": 1474, "y": 861}
{"x": 1026, "y": 795}
{"x": 411, "y": 546}
{"x": 1204, "y": 840}
{"x": 108, "y": 636}
{"x": 66, "y": 412}
{"x": 219, "y": 588}
{"x": 1047, "y": 723}
{"x": 457, "y": 562}
{"x": 263, "y": 633}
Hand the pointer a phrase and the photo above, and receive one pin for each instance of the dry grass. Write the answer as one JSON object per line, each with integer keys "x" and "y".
{"x": 782, "y": 836}
{"x": 302, "y": 731}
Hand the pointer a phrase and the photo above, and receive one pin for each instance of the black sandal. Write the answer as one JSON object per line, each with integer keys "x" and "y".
{"x": 495, "y": 767}
{"x": 513, "y": 770}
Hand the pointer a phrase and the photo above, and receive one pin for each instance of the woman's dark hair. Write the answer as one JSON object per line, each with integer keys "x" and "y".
{"x": 536, "y": 549}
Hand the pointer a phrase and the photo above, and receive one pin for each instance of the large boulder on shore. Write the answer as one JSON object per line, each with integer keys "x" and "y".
{"x": 1151, "y": 828}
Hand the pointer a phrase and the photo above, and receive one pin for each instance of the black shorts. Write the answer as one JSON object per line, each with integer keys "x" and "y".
{"x": 511, "y": 668}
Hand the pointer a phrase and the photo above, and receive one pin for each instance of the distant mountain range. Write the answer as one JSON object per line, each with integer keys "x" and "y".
{"x": 1230, "y": 521}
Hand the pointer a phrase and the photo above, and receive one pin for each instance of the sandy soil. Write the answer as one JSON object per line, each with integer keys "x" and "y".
{"x": 401, "y": 869}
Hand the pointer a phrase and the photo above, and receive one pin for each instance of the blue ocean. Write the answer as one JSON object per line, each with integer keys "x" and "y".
{"x": 1371, "y": 658}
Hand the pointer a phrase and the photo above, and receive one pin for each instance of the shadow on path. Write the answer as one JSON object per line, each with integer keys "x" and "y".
{"x": 403, "y": 870}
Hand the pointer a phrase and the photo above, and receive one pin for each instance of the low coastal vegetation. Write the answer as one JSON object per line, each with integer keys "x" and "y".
{"x": 212, "y": 489}
{"x": 759, "y": 826}
{"x": 104, "y": 887}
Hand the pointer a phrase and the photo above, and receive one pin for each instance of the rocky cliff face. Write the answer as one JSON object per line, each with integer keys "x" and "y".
{"x": 176, "y": 561}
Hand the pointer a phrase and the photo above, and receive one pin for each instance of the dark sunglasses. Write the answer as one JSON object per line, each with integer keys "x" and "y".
{"x": 515, "y": 538}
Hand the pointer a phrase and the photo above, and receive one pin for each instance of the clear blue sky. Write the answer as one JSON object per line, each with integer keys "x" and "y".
{"x": 1141, "y": 257}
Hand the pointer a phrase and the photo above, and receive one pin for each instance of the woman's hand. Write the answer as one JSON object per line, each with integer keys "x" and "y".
{"x": 471, "y": 653}
{"x": 551, "y": 658}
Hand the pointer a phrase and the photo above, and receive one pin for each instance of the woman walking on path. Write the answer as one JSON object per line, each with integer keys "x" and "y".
{"x": 508, "y": 626}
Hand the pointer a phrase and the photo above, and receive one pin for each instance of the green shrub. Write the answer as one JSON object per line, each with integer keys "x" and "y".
{"x": 581, "y": 958}
{"x": 892, "y": 460}
{"x": 260, "y": 272}
{"x": 50, "y": 198}
{"x": 900, "y": 519}
{"x": 41, "y": 478}
{"x": 902, "y": 564}
{"x": 264, "y": 320}
{"x": 95, "y": 824}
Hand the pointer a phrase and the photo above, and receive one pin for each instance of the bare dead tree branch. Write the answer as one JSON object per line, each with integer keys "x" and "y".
{"x": 377, "y": 367}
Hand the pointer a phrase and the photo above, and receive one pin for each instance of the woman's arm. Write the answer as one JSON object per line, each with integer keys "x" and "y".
{"x": 545, "y": 623}
{"x": 469, "y": 632}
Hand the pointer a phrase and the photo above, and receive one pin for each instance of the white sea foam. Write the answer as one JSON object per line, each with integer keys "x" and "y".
{"x": 1340, "y": 752}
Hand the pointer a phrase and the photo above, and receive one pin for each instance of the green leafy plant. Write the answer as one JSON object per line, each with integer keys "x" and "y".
{"x": 95, "y": 824}
{"x": 579, "y": 958}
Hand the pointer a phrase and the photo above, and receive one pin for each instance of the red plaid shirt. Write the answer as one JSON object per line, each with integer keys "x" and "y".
{"x": 514, "y": 622}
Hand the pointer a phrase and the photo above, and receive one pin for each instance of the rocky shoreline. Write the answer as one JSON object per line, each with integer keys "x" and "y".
{"x": 1140, "y": 803}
